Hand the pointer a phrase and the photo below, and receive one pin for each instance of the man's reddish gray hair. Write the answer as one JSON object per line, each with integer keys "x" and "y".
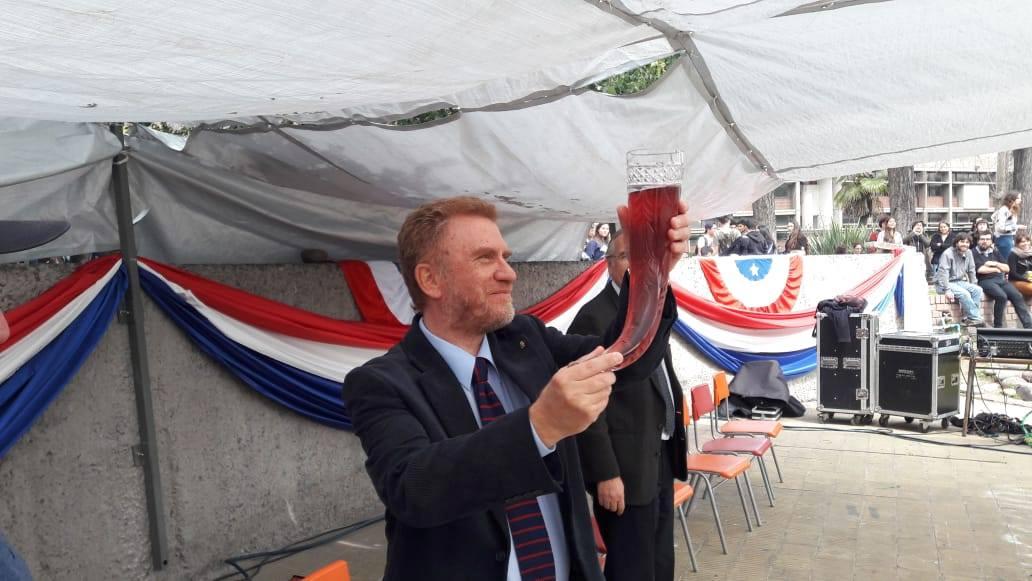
{"x": 421, "y": 233}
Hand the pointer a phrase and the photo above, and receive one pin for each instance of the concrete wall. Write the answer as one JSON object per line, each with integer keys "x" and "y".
{"x": 240, "y": 473}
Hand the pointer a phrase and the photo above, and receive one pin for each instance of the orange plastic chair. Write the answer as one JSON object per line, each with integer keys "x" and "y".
{"x": 335, "y": 571}
{"x": 703, "y": 467}
{"x": 766, "y": 428}
{"x": 682, "y": 494}
{"x": 702, "y": 404}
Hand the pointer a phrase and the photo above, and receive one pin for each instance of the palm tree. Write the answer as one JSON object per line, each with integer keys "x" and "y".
{"x": 859, "y": 194}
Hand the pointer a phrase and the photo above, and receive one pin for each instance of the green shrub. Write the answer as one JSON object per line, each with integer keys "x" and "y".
{"x": 825, "y": 241}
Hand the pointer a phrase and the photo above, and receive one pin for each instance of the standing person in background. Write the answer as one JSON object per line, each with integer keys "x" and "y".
{"x": 596, "y": 248}
{"x": 750, "y": 242}
{"x": 920, "y": 242}
{"x": 634, "y": 450}
{"x": 706, "y": 245}
{"x": 726, "y": 235}
{"x": 888, "y": 233}
{"x": 980, "y": 226}
{"x": 796, "y": 242}
{"x": 941, "y": 240}
{"x": 770, "y": 243}
{"x": 1020, "y": 263}
{"x": 877, "y": 231}
{"x": 591, "y": 235}
{"x": 1005, "y": 223}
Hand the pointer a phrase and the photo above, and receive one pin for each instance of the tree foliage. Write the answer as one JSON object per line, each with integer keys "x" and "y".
{"x": 859, "y": 194}
{"x": 635, "y": 80}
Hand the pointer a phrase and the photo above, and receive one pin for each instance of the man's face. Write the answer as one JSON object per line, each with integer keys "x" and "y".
{"x": 919, "y": 228}
{"x": 985, "y": 242}
{"x": 963, "y": 245}
{"x": 475, "y": 277}
{"x": 617, "y": 261}
{"x": 742, "y": 228}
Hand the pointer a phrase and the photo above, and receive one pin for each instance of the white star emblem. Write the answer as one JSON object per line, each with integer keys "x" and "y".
{"x": 754, "y": 270}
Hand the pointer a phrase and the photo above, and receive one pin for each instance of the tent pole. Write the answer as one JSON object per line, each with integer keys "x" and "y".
{"x": 146, "y": 452}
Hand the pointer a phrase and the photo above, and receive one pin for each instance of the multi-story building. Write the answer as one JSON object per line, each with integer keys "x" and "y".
{"x": 955, "y": 191}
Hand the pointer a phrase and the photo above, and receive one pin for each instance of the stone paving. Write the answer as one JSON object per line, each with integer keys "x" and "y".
{"x": 854, "y": 505}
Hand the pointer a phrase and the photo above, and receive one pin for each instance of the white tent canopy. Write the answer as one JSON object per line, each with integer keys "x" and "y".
{"x": 764, "y": 91}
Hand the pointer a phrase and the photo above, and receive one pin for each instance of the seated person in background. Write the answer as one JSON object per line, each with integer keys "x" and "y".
{"x": 956, "y": 278}
{"x": 751, "y": 240}
{"x": 1020, "y": 263}
{"x": 992, "y": 277}
{"x": 841, "y": 249}
{"x": 858, "y": 248}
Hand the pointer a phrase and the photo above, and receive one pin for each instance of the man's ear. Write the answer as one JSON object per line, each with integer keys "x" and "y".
{"x": 429, "y": 280}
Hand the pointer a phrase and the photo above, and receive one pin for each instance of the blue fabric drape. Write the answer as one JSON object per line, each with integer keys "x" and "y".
{"x": 26, "y": 394}
{"x": 793, "y": 363}
{"x": 312, "y": 396}
{"x": 898, "y": 293}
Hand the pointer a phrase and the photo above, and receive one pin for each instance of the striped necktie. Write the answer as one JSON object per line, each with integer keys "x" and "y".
{"x": 529, "y": 535}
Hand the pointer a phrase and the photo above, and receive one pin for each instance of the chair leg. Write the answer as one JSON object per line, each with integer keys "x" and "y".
{"x": 687, "y": 537}
{"x": 766, "y": 481}
{"x": 776, "y": 465}
{"x": 693, "y": 481}
{"x": 716, "y": 513}
{"x": 752, "y": 499}
{"x": 748, "y": 519}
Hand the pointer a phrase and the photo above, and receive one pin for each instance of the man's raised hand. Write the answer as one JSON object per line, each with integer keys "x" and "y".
{"x": 575, "y": 396}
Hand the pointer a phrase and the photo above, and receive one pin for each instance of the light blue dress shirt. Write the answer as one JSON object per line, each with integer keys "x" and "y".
{"x": 461, "y": 363}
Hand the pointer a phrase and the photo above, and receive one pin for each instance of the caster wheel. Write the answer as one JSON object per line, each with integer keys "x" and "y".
{"x": 908, "y": 420}
{"x": 823, "y": 418}
{"x": 831, "y": 416}
{"x": 945, "y": 423}
{"x": 855, "y": 420}
{"x": 925, "y": 426}
{"x": 868, "y": 419}
{"x": 883, "y": 420}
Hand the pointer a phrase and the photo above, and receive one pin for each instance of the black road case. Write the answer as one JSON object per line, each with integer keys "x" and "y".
{"x": 846, "y": 374}
{"x": 918, "y": 377}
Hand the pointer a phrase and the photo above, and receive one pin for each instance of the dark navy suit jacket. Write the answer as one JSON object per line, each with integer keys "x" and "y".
{"x": 445, "y": 482}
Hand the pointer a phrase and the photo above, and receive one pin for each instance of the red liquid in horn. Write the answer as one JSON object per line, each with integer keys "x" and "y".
{"x": 645, "y": 226}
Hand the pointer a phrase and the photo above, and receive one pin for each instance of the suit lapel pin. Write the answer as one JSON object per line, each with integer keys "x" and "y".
{"x": 523, "y": 344}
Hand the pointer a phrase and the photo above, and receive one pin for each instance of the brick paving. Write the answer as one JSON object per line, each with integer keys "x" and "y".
{"x": 854, "y": 505}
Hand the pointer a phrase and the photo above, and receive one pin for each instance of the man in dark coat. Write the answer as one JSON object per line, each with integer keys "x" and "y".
{"x": 632, "y": 453}
{"x": 467, "y": 422}
{"x": 750, "y": 242}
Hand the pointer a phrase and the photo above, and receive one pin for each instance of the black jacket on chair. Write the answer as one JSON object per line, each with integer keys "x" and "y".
{"x": 445, "y": 482}
{"x": 625, "y": 440}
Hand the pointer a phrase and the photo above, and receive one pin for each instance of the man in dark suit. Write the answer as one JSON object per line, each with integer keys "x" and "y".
{"x": 632, "y": 453}
{"x": 467, "y": 422}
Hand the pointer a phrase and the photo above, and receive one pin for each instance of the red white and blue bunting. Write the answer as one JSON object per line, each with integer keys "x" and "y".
{"x": 51, "y": 336}
{"x": 299, "y": 359}
{"x": 768, "y": 284}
